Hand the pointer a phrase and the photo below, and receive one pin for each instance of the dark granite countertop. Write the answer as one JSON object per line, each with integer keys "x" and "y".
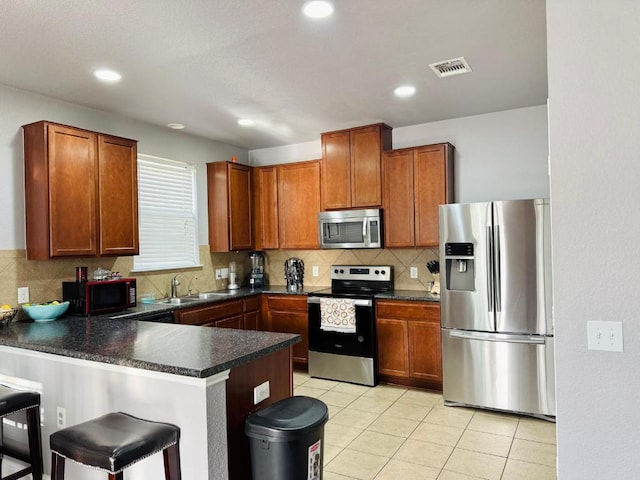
{"x": 178, "y": 349}
{"x": 414, "y": 295}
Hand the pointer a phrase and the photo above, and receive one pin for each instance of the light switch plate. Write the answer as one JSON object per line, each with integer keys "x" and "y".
{"x": 23, "y": 295}
{"x": 604, "y": 336}
{"x": 315, "y": 271}
{"x": 414, "y": 272}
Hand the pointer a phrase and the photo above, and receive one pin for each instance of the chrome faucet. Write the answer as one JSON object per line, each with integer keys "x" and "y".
{"x": 174, "y": 286}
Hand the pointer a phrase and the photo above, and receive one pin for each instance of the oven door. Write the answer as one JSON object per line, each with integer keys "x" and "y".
{"x": 362, "y": 343}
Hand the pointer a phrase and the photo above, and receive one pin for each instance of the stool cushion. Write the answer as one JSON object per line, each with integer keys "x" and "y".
{"x": 12, "y": 400}
{"x": 114, "y": 441}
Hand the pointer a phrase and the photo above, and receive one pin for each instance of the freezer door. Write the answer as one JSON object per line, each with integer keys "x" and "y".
{"x": 522, "y": 272}
{"x": 466, "y": 298}
{"x": 504, "y": 372}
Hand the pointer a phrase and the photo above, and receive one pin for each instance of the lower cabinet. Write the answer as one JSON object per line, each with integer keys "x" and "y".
{"x": 240, "y": 314}
{"x": 409, "y": 345}
{"x": 288, "y": 314}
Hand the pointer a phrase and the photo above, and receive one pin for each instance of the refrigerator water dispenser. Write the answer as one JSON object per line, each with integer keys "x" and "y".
{"x": 460, "y": 268}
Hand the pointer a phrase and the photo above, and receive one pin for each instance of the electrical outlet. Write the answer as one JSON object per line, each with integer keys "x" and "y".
{"x": 261, "y": 392}
{"x": 414, "y": 272}
{"x": 225, "y": 273}
{"x": 23, "y": 295}
{"x": 218, "y": 274}
{"x": 315, "y": 271}
{"x": 61, "y": 417}
{"x": 604, "y": 336}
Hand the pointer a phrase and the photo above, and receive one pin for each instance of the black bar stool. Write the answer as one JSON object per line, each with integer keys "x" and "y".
{"x": 12, "y": 401}
{"x": 114, "y": 442}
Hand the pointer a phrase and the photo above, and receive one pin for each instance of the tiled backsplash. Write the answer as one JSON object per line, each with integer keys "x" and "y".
{"x": 44, "y": 278}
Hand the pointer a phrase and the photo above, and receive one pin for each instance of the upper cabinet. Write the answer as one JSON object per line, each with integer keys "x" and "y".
{"x": 229, "y": 195}
{"x": 351, "y": 175}
{"x": 299, "y": 204}
{"x": 265, "y": 208}
{"x": 415, "y": 182}
{"x": 81, "y": 196}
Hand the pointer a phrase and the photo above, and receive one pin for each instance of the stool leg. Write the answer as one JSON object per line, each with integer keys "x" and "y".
{"x": 172, "y": 463}
{"x": 35, "y": 442}
{"x": 57, "y": 467}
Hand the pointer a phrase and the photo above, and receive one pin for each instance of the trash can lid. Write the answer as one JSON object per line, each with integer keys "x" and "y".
{"x": 288, "y": 418}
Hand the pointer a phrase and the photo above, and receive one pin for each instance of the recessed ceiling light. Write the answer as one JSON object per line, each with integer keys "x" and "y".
{"x": 107, "y": 75}
{"x": 246, "y": 122}
{"x": 317, "y": 9}
{"x": 176, "y": 126}
{"x": 405, "y": 91}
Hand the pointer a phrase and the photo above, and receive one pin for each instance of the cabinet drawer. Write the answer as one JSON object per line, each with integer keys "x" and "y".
{"x": 208, "y": 313}
{"x": 428, "y": 311}
{"x": 252, "y": 304}
{"x": 287, "y": 302}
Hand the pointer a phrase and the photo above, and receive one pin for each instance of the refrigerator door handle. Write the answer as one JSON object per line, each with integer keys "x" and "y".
{"x": 498, "y": 276}
{"x": 489, "y": 269}
{"x": 498, "y": 337}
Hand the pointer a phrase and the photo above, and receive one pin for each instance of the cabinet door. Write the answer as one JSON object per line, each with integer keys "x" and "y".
{"x": 336, "y": 170}
{"x": 425, "y": 347}
{"x": 365, "y": 167}
{"x": 393, "y": 353}
{"x": 431, "y": 184}
{"x": 240, "y": 207}
{"x": 293, "y": 322}
{"x": 397, "y": 170}
{"x": 229, "y": 204}
{"x": 209, "y": 314}
{"x": 118, "y": 193}
{"x": 231, "y": 322}
{"x": 265, "y": 208}
{"x": 299, "y": 204}
{"x": 73, "y": 177}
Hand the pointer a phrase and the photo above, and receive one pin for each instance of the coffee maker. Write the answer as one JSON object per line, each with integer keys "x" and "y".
{"x": 257, "y": 277}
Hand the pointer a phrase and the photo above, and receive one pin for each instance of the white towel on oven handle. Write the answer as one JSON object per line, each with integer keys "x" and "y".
{"x": 338, "y": 315}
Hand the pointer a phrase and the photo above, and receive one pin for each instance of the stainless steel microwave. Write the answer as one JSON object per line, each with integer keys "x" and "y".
{"x": 350, "y": 228}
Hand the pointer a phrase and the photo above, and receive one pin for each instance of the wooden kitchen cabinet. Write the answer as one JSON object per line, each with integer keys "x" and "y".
{"x": 409, "y": 345}
{"x": 81, "y": 195}
{"x": 288, "y": 314}
{"x": 415, "y": 182}
{"x": 265, "y": 208}
{"x": 229, "y": 203}
{"x": 351, "y": 173}
{"x": 298, "y": 205}
{"x": 241, "y": 314}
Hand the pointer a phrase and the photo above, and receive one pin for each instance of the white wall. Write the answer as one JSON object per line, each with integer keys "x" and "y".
{"x": 498, "y": 156}
{"x": 595, "y": 187}
{"x": 18, "y": 107}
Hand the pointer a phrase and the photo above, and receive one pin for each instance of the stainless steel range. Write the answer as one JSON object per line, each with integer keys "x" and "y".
{"x": 342, "y": 324}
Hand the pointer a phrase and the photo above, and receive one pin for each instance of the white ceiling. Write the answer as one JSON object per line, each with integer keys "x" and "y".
{"x": 206, "y": 63}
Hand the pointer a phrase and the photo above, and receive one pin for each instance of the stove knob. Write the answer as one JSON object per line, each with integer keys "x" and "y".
{"x": 383, "y": 272}
{"x": 377, "y": 272}
{"x": 341, "y": 270}
{"x": 335, "y": 271}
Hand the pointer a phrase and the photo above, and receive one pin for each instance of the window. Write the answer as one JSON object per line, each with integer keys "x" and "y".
{"x": 167, "y": 215}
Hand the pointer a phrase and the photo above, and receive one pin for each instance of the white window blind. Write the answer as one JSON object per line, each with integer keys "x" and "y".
{"x": 167, "y": 215}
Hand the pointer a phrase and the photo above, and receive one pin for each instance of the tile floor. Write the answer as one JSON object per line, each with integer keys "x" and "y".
{"x": 391, "y": 432}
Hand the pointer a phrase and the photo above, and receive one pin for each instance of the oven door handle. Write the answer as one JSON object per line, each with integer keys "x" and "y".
{"x": 358, "y": 302}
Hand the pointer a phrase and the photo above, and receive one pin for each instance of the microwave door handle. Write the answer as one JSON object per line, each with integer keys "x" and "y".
{"x": 365, "y": 235}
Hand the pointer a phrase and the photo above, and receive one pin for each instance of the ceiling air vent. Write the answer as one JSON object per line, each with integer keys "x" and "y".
{"x": 448, "y": 68}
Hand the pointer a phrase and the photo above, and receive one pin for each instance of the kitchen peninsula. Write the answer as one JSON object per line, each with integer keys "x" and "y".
{"x": 194, "y": 377}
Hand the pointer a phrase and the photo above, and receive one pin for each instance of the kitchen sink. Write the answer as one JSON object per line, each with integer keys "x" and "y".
{"x": 208, "y": 295}
{"x": 179, "y": 300}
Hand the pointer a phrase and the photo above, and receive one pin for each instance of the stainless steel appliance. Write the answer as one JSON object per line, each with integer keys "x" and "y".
{"x": 350, "y": 228}
{"x": 497, "y": 325}
{"x": 342, "y": 324}
{"x": 97, "y": 297}
{"x": 257, "y": 277}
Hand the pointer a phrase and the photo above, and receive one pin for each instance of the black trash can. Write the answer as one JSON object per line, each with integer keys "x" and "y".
{"x": 287, "y": 438}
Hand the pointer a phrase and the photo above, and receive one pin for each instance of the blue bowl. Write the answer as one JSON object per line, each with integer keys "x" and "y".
{"x": 45, "y": 313}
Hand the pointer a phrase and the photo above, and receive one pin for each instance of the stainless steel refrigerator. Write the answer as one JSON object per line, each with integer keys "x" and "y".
{"x": 496, "y": 304}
